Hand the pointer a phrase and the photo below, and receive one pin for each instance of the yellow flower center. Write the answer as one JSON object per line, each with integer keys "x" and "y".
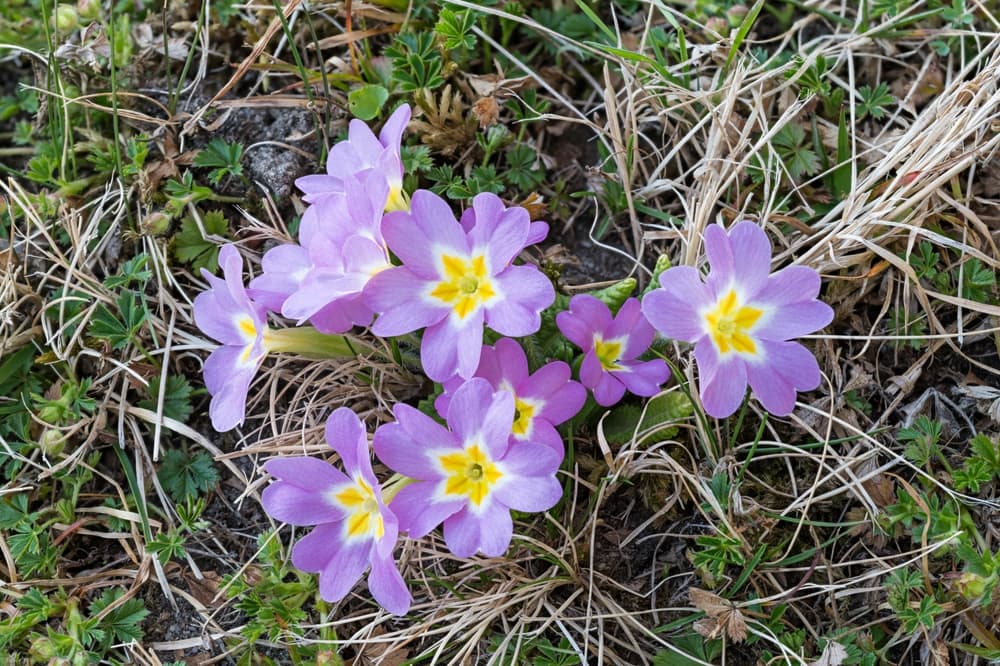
{"x": 470, "y": 474}
{"x": 397, "y": 199}
{"x": 730, "y": 324}
{"x": 249, "y": 331}
{"x": 608, "y": 352}
{"x": 524, "y": 412}
{"x": 364, "y": 519}
{"x": 465, "y": 285}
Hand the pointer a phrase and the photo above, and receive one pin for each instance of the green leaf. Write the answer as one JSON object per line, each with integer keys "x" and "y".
{"x": 185, "y": 476}
{"x": 873, "y": 100}
{"x": 121, "y": 329}
{"x": 623, "y": 423}
{"x": 615, "y": 295}
{"x": 133, "y": 270}
{"x": 176, "y": 399}
{"x": 367, "y": 101}
{"x": 222, "y": 157}
{"x": 840, "y": 179}
{"x": 122, "y": 623}
{"x": 190, "y": 247}
{"x": 987, "y": 450}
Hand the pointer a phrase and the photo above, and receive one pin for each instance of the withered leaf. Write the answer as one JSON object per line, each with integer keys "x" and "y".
{"x": 723, "y": 616}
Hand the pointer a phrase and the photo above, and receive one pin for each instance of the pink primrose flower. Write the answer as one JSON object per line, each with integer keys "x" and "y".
{"x": 360, "y": 152}
{"x": 611, "y": 345}
{"x": 542, "y": 400}
{"x": 341, "y": 248}
{"x": 468, "y": 476}
{"x": 741, "y": 320}
{"x": 227, "y": 314}
{"x": 453, "y": 281}
{"x": 355, "y": 529}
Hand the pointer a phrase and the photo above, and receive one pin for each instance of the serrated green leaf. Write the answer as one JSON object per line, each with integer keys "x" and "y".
{"x": 185, "y": 476}
{"x": 615, "y": 295}
{"x": 190, "y": 247}
{"x": 623, "y": 423}
{"x": 662, "y": 264}
{"x": 176, "y": 399}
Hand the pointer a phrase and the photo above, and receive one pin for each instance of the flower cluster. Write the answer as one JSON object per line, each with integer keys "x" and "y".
{"x": 369, "y": 254}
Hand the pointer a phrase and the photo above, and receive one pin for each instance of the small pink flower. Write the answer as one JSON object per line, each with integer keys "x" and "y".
{"x": 542, "y": 400}
{"x": 227, "y": 314}
{"x": 364, "y": 151}
{"x": 611, "y": 346}
{"x": 468, "y": 476}
{"x": 355, "y": 529}
{"x": 454, "y": 281}
{"x": 741, "y": 321}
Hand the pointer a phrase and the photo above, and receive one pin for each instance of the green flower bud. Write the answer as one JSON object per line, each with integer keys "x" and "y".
{"x": 88, "y": 9}
{"x": 42, "y": 650}
{"x": 736, "y": 14}
{"x": 52, "y": 442}
{"x": 971, "y": 586}
{"x": 53, "y": 412}
{"x": 155, "y": 224}
{"x": 66, "y": 18}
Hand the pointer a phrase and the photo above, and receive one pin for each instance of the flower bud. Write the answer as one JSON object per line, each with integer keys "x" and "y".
{"x": 66, "y": 18}
{"x": 971, "y": 586}
{"x": 88, "y": 9}
{"x": 736, "y": 14}
{"x": 155, "y": 224}
{"x": 52, "y": 442}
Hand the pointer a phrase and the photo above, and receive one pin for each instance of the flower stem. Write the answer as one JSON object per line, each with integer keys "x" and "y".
{"x": 308, "y": 342}
{"x": 392, "y": 487}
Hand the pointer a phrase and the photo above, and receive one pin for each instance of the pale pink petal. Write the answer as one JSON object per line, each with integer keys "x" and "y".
{"x": 529, "y": 493}
{"x": 537, "y": 232}
{"x": 297, "y": 506}
{"x": 507, "y": 361}
{"x": 404, "y": 446}
{"x": 609, "y": 390}
{"x": 631, "y": 324}
{"x": 227, "y": 408}
{"x": 576, "y": 329}
{"x": 434, "y": 218}
{"x": 795, "y": 319}
{"x": 502, "y": 231}
{"x": 344, "y": 432}
{"x": 397, "y": 295}
{"x": 752, "y": 251}
{"x": 419, "y": 252}
{"x": 468, "y": 409}
{"x": 419, "y": 511}
{"x": 469, "y": 346}
{"x": 439, "y": 350}
{"x": 542, "y": 433}
{"x": 314, "y": 551}
{"x": 562, "y": 404}
{"x": 645, "y": 377}
{"x": 342, "y": 572}
{"x": 309, "y": 474}
{"x": 489, "y": 531}
{"x": 524, "y": 461}
{"x": 591, "y": 370}
{"x": 724, "y": 392}
{"x": 674, "y": 308}
{"x": 526, "y": 292}
{"x": 392, "y": 131}
{"x": 388, "y": 587}
{"x": 720, "y": 258}
{"x": 774, "y": 392}
{"x": 793, "y": 284}
{"x": 793, "y": 362}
